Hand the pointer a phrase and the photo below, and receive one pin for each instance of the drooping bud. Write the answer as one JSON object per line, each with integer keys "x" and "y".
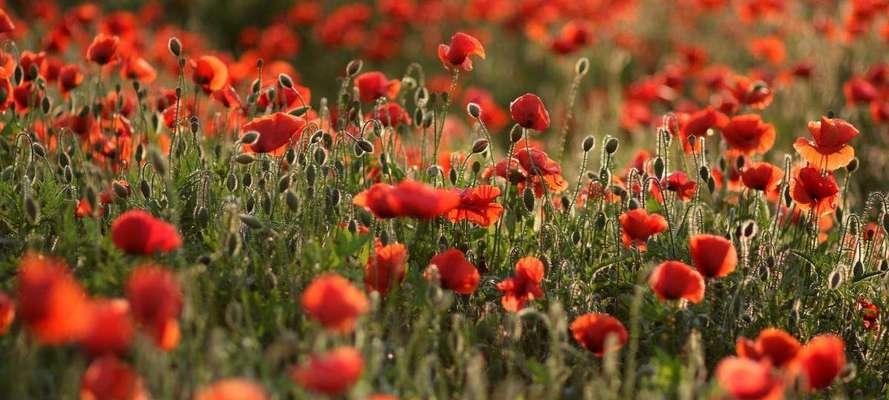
{"x": 588, "y": 143}
{"x": 474, "y": 110}
{"x": 175, "y": 46}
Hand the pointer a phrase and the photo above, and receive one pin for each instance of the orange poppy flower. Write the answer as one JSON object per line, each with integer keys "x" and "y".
{"x": 746, "y": 379}
{"x": 774, "y": 345}
{"x": 7, "y": 313}
{"x": 572, "y": 37}
{"x": 524, "y": 286}
{"x": 407, "y": 199}
{"x": 331, "y": 373}
{"x": 477, "y": 205}
{"x": 810, "y": 189}
{"x": 334, "y": 302}
{"x": 453, "y": 271}
{"x": 755, "y": 94}
{"x": 138, "y": 232}
{"x": 110, "y": 327}
{"x": 769, "y": 48}
{"x": 529, "y": 112}
{"x": 637, "y": 226}
{"x": 674, "y": 280}
{"x": 762, "y": 176}
{"x": 748, "y": 134}
{"x": 373, "y": 85}
{"x": 103, "y": 49}
{"x": 275, "y": 130}
{"x": 820, "y": 361}
{"x": 137, "y": 68}
{"x": 232, "y": 389}
{"x": 457, "y": 53}
{"x": 592, "y": 331}
{"x": 210, "y": 73}
{"x": 51, "y": 303}
{"x": 386, "y": 267}
{"x": 713, "y": 256}
{"x": 830, "y": 149}
{"x": 156, "y": 301}
{"x": 108, "y": 378}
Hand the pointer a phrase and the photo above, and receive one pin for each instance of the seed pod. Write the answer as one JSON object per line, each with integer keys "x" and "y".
{"x": 250, "y": 221}
{"x": 474, "y": 110}
{"x": 231, "y": 182}
{"x": 479, "y": 146}
{"x": 365, "y": 146}
{"x": 175, "y": 46}
{"x": 611, "y": 145}
{"x": 158, "y": 161}
{"x": 528, "y": 199}
{"x": 588, "y": 143}
{"x": 245, "y": 158}
{"x": 582, "y": 66}
{"x": 292, "y": 200}
{"x": 852, "y": 166}
{"x": 354, "y": 67}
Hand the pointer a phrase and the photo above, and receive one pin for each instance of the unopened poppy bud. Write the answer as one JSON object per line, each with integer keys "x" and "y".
{"x": 604, "y": 175}
{"x": 588, "y": 143}
{"x": 292, "y": 200}
{"x": 45, "y": 105}
{"x": 366, "y": 146}
{"x": 38, "y": 149}
{"x": 704, "y": 173}
{"x": 245, "y": 158}
{"x": 33, "y": 71}
{"x": 285, "y": 81}
{"x": 835, "y": 279}
{"x": 582, "y": 66}
{"x": 158, "y": 161}
{"x": 421, "y": 97}
{"x": 231, "y": 182}
{"x": 575, "y": 237}
{"x": 611, "y": 145}
{"x": 145, "y": 188}
{"x": 659, "y": 168}
{"x": 600, "y": 221}
{"x": 310, "y": 174}
{"x": 749, "y": 229}
{"x": 479, "y": 146}
{"x": 788, "y": 200}
{"x": 884, "y": 265}
{"x": 528, "y": 199}
{"x": 194, "y": 124}
{"x": 633, "y": 204}
{"x": 284, "y": 183}
{"x": 858, "y": 268}
{"x": 68, "y": 174}
{"x": 739, "y": 163}
{"x": 319, "y": 155}
{"x": 618, "y": 191}
{"x": 433, "y": 171}
{"x": 452, "y": 176}
{"x": 354, "y": 67}
{"x": 711, "y": 185}
{"x": 175, "y": 46}
{"x": 120, "y": 190}
{"x": 885, "y": 222}
{"x": 474, "y": 110}
{"x": 299, "y": 111}
{"x": 138, "y": 154}
{"x": 476, "y": 167}
{"x": 515, "y": 134}
{"x": 17, "y": 75}
{"x": 566, "y": 203}
{"x": 32, "y": 209}
{"x": 250, "y": 221}
{"x": 852, "y": 166}
{"x": 250, "y": 137}
{"x": 333, "y": 197}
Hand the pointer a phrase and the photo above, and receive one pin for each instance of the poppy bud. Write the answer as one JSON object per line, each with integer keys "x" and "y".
{"x": 618, "y": 191}
{"x": 611, "y": 145}
{"x": 852, "y": 166}
{"x": 250, "y": 137}
{"x": 231, "y": 182}
{"x": 319, "y": 155}
{"x": 476, "y": 167}
{"x": 120, "y": 190}
{"x": 711, "y": 185}
{"x": 575, "y": 237}
{"x": 659, "y": 168}
{"x": 588, "y": 143}
{"x": 68, "y": 174}
{"x": 45, "y": 105}
{"x": 366, "y": 146}
{"x": 175, "y": 46}
{"x": 33, "y": 72}
{"x": 604, "y": 176}
{"x": 333, "y": 197}
{"x": 582, "y": 66}
{"x": 788, "y": 200}
{"x": 474, "y": 110}
{"x": 739, "y": 163}
{"x": 433, "y": 171}
{"x": 633, "y": 204}
{"x": 285, "y": 81}
{"x": 528, "y": 199}
{"x": 515, "y": 134}
{"x": 452, "y": 176}
{"x": 835, "y": 279}
{"x": 600, "y": 221}
{"x": 194, "y": 124}
{"x": 704, "y": 173}
{"x": 884, "y": 265}
{"x": 858, "y": 269}
{"x": 17, "y": 75}
{"x": 290, "y": 156}
{"x": 38, "y": 149}
{"x": 145, "y": 188}
{"x": 158, "y": 161}
{"x": 283, "y": 183}
{"x": 479, "y": 146}
{"x": 299, "y": 111}
{"x": 245, "y": 158}
{"x": 292, "y": 200}
{"x": 421, "y": 97}
{"x": 354, "y": 67}
{"x": 749, "y": 229}
{"x": 32, "y": 209}
{"x": 247, "y": 180}
{"x": 310, "y": 175}
{"x": 250, "y": 221}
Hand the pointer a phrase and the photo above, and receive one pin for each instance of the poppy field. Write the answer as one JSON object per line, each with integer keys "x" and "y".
{"x": 444, "y": 199}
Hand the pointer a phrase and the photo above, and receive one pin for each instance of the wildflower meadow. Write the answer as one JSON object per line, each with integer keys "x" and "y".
{"x": 444, "y": 199}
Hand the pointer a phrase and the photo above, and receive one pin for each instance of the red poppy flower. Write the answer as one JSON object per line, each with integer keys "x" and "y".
{"x": 334, "y": 302}
{"x": 748, "y": 134}
{"x": 210, "y": 73}
{"x": 110, "y": 327}
{"x": 870, "y": 314}
{"x": 572, "y": 37}
{"x": 373, "y": 85}
{"x": 674, "y": 280}
{"x": 137, "y": 68}
{"x": 108, "y": 378}
{"x": 830, "y": 149}
{"x": 70, "y": 77}
{"x": 679, "y": 183}
{"x": 524, "y": 286}
{"x": 228, "y": 97}
{"x": 769, "y": 48}
{"x": 477, "y": 205}
{"x": 529, "y": 112}
{"x": 103, "y": 49}
{"x": 457, "y": 53}
{"x": 275, "y": 130}
{"x": 810, "y": 189}
{"x": 232, "y": 389}
{"x": 453, "y": 271}
{"x": 407, "y": 199}
{"x": 637, "y": 226}
{"x": 774, "y": 345}
{"x": 331, "y": 373}
{"x": 746, "y": 379}
{"x": 51, "y": 303}
{"x": 821, "y": 360}
{"x": 391, "y": 114}
{"x": 138, "y": 232}
{"x": 493, "y": 116}
{"x": 592, "y": 331}
{"x": 755, "y": 94}
{"x": 698, "y": 123}
{"x": 7, "y": 313}
{"x": 386, "y": 267}
{"x": 859, "y": 91}
{"x": 762, "y": 176}
{"x": 713, "y": 256}
{"x": 156, "y": 301}
{"x": 6, "y": 25}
